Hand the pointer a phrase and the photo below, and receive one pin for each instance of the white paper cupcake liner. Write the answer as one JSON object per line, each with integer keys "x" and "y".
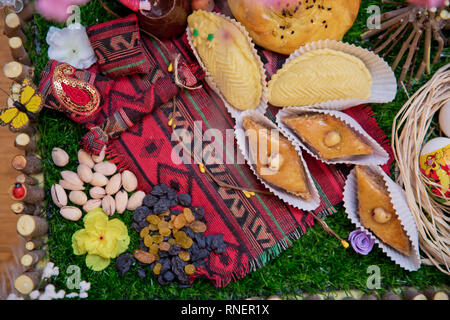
{"x": 384, "y": 84}
{"x": 209, "y": 79}
{"x": 379, "y": 156}
{"x": 411, "y": 263}
{"x": 287, "y": 197}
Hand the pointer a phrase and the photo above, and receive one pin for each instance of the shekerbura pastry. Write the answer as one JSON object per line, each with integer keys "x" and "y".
{"x": 228, "y": 57}
{"x": 319, "y": 76}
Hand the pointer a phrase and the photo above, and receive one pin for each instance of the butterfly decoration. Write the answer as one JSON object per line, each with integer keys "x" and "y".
{"x": 23, "y": 106}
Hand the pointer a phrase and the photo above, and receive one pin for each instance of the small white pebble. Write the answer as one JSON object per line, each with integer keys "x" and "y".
{"x": 84, "y": 286}
{"x": 72, "y": 295}
{"x": 60, "y": 294}
{"x": 83, "y": 295}
{"x": 34, "y": 294}
{"x": 12, "y": 296}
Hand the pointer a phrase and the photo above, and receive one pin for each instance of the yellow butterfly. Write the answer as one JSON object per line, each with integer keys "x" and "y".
{"x": 24, "y": 104}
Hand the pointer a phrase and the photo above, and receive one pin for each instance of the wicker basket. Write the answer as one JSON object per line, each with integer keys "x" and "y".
{"x": 411, "y": 129}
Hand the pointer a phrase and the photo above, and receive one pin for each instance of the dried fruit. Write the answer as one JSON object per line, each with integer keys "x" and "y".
{"x": 165, "y": 232}
{"x": 114, "y": 184}
{"x": 189, "y": 269}
{"x": 150, "y": 200}
{"x": 144, "y": 232}
{"x": 185, "y": 199}
{"x": 198, "y": 226}
{"x": 85, "y": 173}
{"x": 71, "y": 213}
{"x": 188, "y": 215}
{"x": 78, "y": 197}
{"x": 154, "y": 248}
{"x": 184, "y": 255}
{"x": 164, "y": 246}
{"x": 157, "y": 268}
{"x": 144, "y": 257}
{"x": 106, "y": 168}
{"x": 60, "y": 157}
{"x": 123, "y": 263}
{"x": 171, "y": 241}
{"x": 186, "y": 243}
{"x": 157, "y": 239}
{"x": 129, "y": 181}
{"x": 135, "y": 200}
{"x": 153, "y": 219}
{"x": 163, "y": 225}
{"x": 179, "y": 222}
{"x": 148, "y": 241}
{"x": 168, "y": 276}
{"x": 59, "y": 196}
{"x": 153, "y": 227}
{"x": 92, "y": 204}
{"x": 85, "y": 158}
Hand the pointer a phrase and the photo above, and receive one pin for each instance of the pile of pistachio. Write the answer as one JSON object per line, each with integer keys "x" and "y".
{"x": 106, "y": 188}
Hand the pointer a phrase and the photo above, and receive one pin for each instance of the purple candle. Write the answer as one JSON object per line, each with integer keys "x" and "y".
{"x": 361, "y": 241}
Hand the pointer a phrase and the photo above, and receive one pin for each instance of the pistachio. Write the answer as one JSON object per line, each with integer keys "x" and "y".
{"x": 60, "y": 157}
{"x": 85, "y": 173}
{"x": 92, "y": 204}
{"x": 275, "y": 161}
{"x": 71, "y": 177}
{"x": 129, "y": 181}
{"x": 121, "y": 201}
{"x": 100, "y": 157}
{"x": 114, "y": 184}
{"x": 332, "y": 138}
{"x": 135, "y": 200}
{"x": 85, "y": 158}
{"x": 380, "y": 215}
{"x": 78, "y": 197}
{"x": 59, "y": 196}
{"x": 71, "y": 186}
{"x": 106, "y": 168}
{"x": 99, "y": 180}
{"x": 97, "y": 193}
{"x": 109, "y": 205}
{"x": 71, "y": 213}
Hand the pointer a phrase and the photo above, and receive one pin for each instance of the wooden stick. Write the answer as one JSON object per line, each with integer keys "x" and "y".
{"x": 23, "y": 178}
{"x": 29, "y": 194}
{"x": 413, "y": 294}
{"x": 28, "y": 281}
{"x": 25, "y": 208}
{"x": 17, "y": 71}
{"x": 24, "y": 141}
{"x": 32, "y": 226}
{"x": 34, "y": 244}
{"x": 29, "y": 164}
{"x": 436, "y": 295}
{"x": 13, "y": 26}
{"x": 32, "y": 257}
{"x": 18, "y": 50}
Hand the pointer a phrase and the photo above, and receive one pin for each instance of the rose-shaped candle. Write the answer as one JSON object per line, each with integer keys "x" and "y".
{"x": 361, "y": 241}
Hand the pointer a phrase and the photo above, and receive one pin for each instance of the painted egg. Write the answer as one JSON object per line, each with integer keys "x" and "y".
{"x": 435, "y": 165}
{"x": 444, "y": 119}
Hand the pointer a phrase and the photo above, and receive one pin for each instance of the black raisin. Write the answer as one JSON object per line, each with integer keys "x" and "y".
{"x": 200, "y": 239}
{"x": 157, "y": 191}
{"x": 185, "y": 199}
{"x": 136, "y": 227}
{"x": 173, "y": 251}
{"x": 141, "y": 213}
{"x": 175, "y": 212}
{"x": 221, "y": 248}
{"x": 169, "y": 276}
{"x": 165, "y": 188}
{"x": 150, "y": 200}
{"x": 199, "y": 212}
{"x": 172, "y": 194}
{"x": 141, "y": 273}
{"x": 124, "y": 262}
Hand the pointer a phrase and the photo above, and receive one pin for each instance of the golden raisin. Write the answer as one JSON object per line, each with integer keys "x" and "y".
{"x": 157, "y": 239}
{"x": 154, "y": 248}
{"x": 144, "y": 232}
{"x": 184, "y": 255}
{"x": 153, "y": 219}
{"x": 164, "y": 246}
{"x": 144, "y": 257}
{"x": 153, "y": 227}
{"x": 157, "y": 268}
{"x": 186, "y": 243}
{"x": 164, "y": 214}
{"x": 189, "y": 269}
{"x": 198, "y": 226}
{"x": 148, "y": 241}
{"x": 165, "y": 232}
{"x": 179, "y": 235}
{"x": 179, "y": 222}
{"x": 163, "y": 224}
{"x": 188, "y": 215}
{"x": 171, "y": 241}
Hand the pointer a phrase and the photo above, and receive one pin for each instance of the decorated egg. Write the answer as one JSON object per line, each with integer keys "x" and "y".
{"x": 444, "y": 119}
{"x": 434, "y": 163}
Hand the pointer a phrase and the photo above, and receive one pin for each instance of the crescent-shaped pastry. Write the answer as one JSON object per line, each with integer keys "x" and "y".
{"x": 228, "y": 57}
{"x": 319, "y": 76}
